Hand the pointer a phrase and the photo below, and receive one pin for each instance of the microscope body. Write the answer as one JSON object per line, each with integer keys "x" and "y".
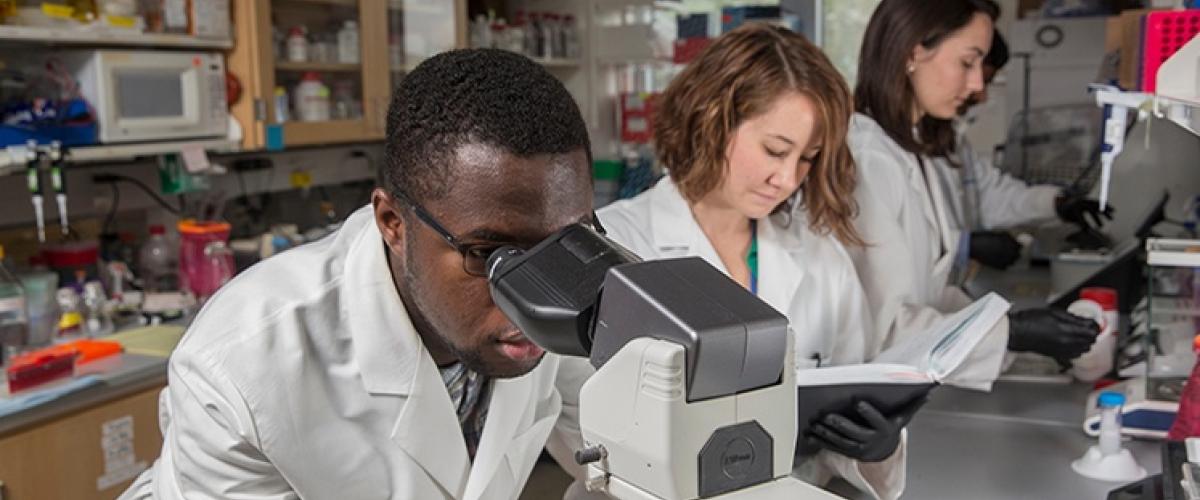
{"x": 694, "y": 394}
{"x": 659, "y": 446}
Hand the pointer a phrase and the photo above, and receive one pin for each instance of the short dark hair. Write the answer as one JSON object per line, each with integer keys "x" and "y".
{"x": 884, "y": 91}
{"x": 997, "y": 57}
{"x": 485, "y": 96}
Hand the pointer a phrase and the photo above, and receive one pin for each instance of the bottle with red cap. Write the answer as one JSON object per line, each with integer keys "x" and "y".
{"x": 1100, "y": 305}
{"x": 158, "y": 262}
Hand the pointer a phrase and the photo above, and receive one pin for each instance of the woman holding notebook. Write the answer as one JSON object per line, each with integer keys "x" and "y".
{"x": 761, "y": 186}
{"x": 921, "y": 60}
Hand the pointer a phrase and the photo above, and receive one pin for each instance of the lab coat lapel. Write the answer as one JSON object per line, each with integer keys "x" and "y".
{"x": 674, "y": 229}
{"x": 386, "y": 345}
{"x": 429, "y": 432}
{"x": 515, "y": 431}
{"x": 393, "y": 362}
{"x": 917, "y": 181}
{"x": 779, "y": 271}
{"x": 941, "y": 216}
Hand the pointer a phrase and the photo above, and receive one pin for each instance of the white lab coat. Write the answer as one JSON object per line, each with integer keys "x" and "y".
{"x": 806, "y": 276}
{"x": 980, "y": 196}
{"x": 304, "y": 378}
{"x": 911, "y": 247}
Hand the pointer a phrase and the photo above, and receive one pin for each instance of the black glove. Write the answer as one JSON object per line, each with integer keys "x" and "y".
{"x": 1077, "y": 209}
{"x": 1051, "y": 332}
{"x": 873, "y": 441}
{"x": 995, "y": 249}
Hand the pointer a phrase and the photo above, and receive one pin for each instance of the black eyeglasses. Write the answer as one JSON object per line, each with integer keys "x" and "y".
{"x": 474, "y": 255}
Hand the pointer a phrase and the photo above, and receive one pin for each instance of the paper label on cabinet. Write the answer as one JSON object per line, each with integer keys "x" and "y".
{"x": 120, "y": 461}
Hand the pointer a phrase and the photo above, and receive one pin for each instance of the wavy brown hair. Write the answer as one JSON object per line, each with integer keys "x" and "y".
{"x": 737, "y": 78}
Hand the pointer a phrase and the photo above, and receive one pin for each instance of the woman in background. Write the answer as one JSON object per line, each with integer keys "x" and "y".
{"x": 761, "y": 186}
{"x": 921, "y": 60}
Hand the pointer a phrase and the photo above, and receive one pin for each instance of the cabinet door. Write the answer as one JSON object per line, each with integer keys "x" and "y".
{"x": 319, "y": 77}
{"x": 419, "y": 29}
{"x": 94, "y": 454}
{"x": 310, "y": 86}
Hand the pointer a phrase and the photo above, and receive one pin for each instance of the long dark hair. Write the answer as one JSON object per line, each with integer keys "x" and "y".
{"x": 884, "y": 91}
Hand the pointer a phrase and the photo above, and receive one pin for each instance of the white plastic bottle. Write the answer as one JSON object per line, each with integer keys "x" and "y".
{"x": 312, "y": 98}
{"x": 297, "y": 45}
{"x": 546, "y": 35}
{"x": 570, "y": 36}
{"x": 1100, "y": 305}
{"x": 347, "y": 42}
{"x": 158, "y": 262}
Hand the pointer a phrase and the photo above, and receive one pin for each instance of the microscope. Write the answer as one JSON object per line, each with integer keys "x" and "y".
{"x": 693, "y": 396}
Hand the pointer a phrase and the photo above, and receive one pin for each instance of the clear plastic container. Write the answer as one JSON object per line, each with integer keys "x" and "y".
{"x": 165, "y": 16}
{"x": 1110, "y": 404}
{"x": 551, "y": 33}
{"x": 70, "y": 321}
{"x": 195, "y": 264}
{"x": 347, "y": 43}
{"x": 120, "y": 8}
{"x": 570, "y": 37}
{"x": 158, "y": 262}
{"x": 41, "y": 306}
{"x": 98, "y": 320}
{"x": 14, "y": 320}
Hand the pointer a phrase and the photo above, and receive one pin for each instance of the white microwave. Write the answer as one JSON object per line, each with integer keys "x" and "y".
{"x": 140, "y": 95}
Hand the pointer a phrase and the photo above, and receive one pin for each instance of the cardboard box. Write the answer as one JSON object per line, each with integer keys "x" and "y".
{"x": 1130, "y": 32}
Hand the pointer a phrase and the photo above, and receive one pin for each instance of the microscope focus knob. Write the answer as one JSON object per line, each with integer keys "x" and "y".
{"x": 590, "y": 454}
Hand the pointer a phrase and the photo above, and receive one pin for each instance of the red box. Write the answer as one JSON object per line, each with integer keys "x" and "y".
{"x": 687, "y": 49}
{"x": 637, "y": 117}
{"x": 39, "y": 367}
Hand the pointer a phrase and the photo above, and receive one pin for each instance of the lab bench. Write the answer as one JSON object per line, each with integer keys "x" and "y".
{"x": 87, "y": 444}
{"x": 1016, "y": 442}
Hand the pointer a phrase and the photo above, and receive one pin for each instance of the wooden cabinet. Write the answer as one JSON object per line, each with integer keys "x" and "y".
{"x": 93, "y": 454}
{"x": 394, "y": 36}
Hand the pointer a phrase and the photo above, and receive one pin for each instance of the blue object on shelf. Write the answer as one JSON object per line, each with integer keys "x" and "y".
{"x": 692, "y": 26}
{"x": 274, "y": 137}
{"x": 43, "y": 121}
{"x": 732, "y": 17}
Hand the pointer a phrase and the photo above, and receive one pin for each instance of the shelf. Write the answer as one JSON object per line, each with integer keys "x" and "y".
{"x": 317, "y": 66}
{"x": 558, "y": 63}
{"x": 341, "y": 3}
{"x": 125, "y": 151}
{"x": 1172, "y": 252}
{"x": 407, "y": 68}
{"x": 548, "y": 63}
{"x": 421, "y": 8}
{"x": 62, "y": 36}
{"x": 297, "y": 133}
{"x": 12, "y": 158}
